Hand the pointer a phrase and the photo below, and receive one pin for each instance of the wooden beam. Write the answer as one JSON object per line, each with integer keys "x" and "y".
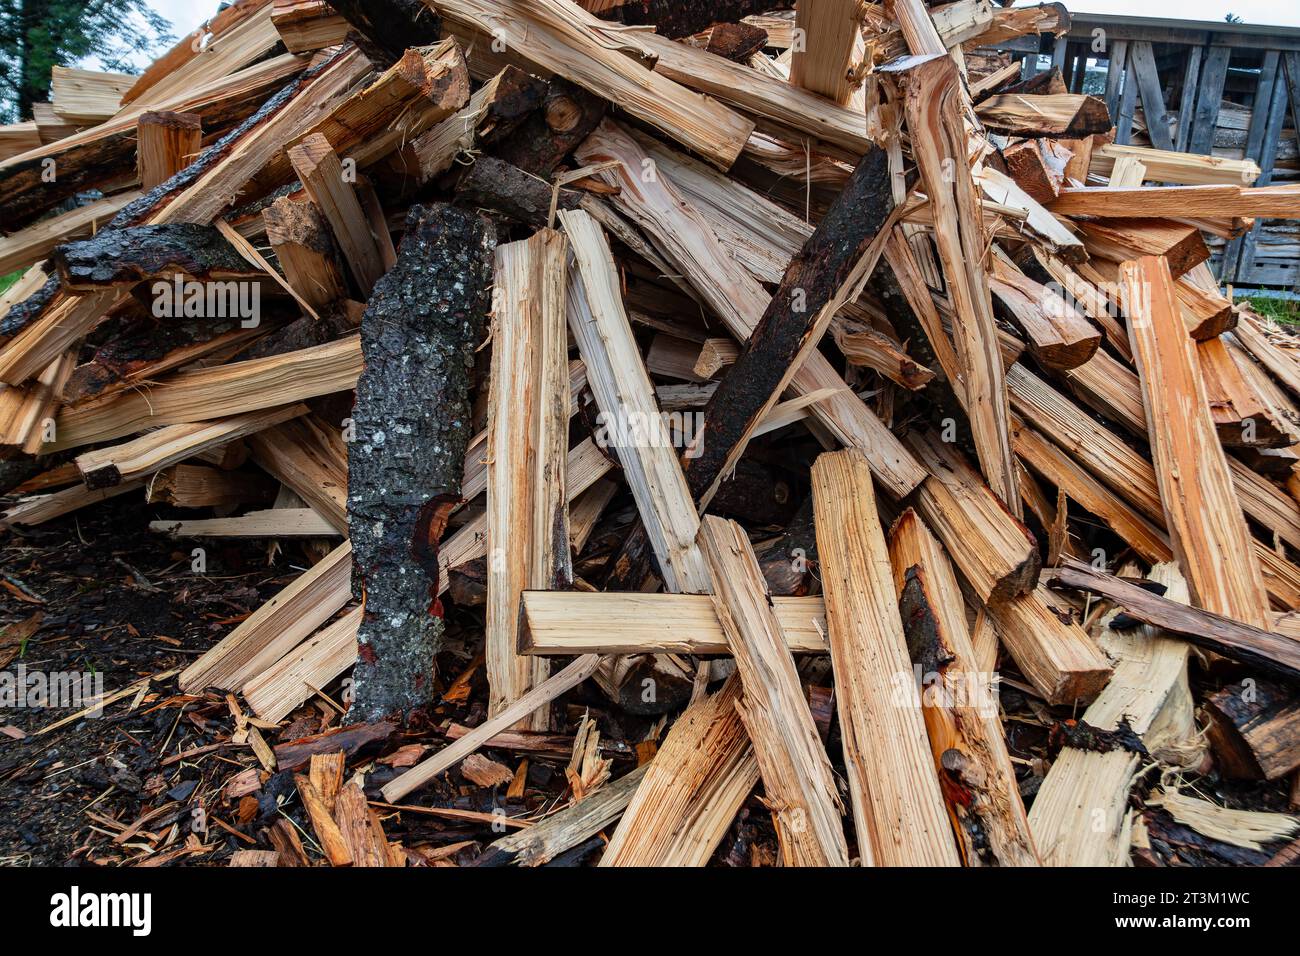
{"x": 528, "y": 442}
{"x": 898, "y": 810}
{"x": 1207, "y": 529}
{"x": 1067, "y": 115}
{"x": 796, "y": 772}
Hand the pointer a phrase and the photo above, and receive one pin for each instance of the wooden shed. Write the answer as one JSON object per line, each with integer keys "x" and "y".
{"x": 1227, "y": 89}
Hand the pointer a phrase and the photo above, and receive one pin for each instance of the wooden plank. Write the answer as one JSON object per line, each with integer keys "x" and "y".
{"x": 528, "y": 442}
{"x": 898, "y": 810}
{"x": 1214, "y": 71}
{"x": 796, "y": 772}
{"x": 1118, "y": 56}
{"x": 1153, "y": 101}
{"x": 1187, "y": 100}
{"x": 1182, "y": 168}
{"x": 1204, "y": 518}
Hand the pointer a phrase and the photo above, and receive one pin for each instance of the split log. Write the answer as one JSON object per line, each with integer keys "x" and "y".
{"x": 197, "y": 486}
{"x": 932, "y": 100}
{"x": 566, "y": 117}
{"x": 407, "y": 462}
{"x": 796, "y": 772}
{"x": 561, "y": 38}
{"x": 1172, "y": 167}
{"x": 630, "y": 419}
{"x": 156, "y": 450}
{"x": 539, "y": 844}
{"x": 1038, "y": 167}
{"x": 322, "y": 175}
{"x": 995, "y": 552}
{"x": 268, "y": 523}
{"x": 1274, "y": 653}
{"x": 37, "y": 241}
{"x": 297, "y": 233}
{"x": 826, "y": 62}
{"x": 1122, "y": 239}
{"x": 499, "y": 187}
{"x": 976, "y": 776}
{"x": 1254, "y": 730}
{"x": 308, "y": 25}
{"x": 898, "y": 810}
{"x": 739, "y": 299}
{"x": 1065, "y": 115}
{"x": 564, "y": 623}
{"x": 697, "y": 782}
{"x": 528, "y": 442}
{"x": 1057, "y": 334}
{"x": 32, "y": 350}
{"x": 122, "y": 257}
{"x": 679, "y": 18}
{"x": 28, "y": 512}
{"x": 495, "y": 109}
{"x": 1179, "y": 202}
{"x": 166, "y": 143}
{"x": 1080, "y": 815}
{"x": 1208, "y": 532}
{"x": 829, "y": 271}
{"x": 312, "y": 460}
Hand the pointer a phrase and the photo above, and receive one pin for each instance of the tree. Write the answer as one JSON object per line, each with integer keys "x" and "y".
{"x": 36, "y": 35}
{"x": 1232, "y": 18}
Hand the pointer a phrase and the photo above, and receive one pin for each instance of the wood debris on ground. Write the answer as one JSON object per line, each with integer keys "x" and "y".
{"x": 671, "y": 444}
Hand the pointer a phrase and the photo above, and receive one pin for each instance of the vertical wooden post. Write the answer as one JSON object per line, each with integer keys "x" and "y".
{"x": 1115, "y": 74}
{"x": 1268, "y": 157}
{"x": 1127, "y": 103}
{"x": 1153, "y": 100}
{"x": 1208, "y": 97}
{"x": 1269, "y": 76}
{"x": 1187, "y": 98}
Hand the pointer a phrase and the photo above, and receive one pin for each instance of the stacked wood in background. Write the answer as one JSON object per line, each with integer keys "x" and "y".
{"x": 528, "y": 304}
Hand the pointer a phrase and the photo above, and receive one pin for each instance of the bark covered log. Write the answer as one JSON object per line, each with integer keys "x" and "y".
{"x": 794, "y": 319}
{"x": 494, "y": 184}
{"x": 388, "y": 27}
{"x": 413, "y": 422}
{"x": 138, "y": 253}
{"x": 567, "y": 115}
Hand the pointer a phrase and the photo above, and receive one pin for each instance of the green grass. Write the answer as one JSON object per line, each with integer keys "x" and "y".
{"x": 10, "y": 279}
{"x": 1286, "y": 311}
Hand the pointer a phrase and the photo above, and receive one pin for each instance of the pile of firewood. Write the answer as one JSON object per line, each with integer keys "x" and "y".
{"x": 707, "y": 352}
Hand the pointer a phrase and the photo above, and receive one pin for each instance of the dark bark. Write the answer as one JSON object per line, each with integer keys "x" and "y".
{"x": 812, "y": 279}
{"x": 298, "y": 753}
{"x": 1274, "y": 653}
{"x": 787, "y": 565}
{"x": 139, "y": 253}
{"x": 567, "y": 116}
{"x": 493, "y": 184}
{"x": 736, "y": 41}
{"x": 388, "y": 27}
{"x": 1255, "y": 730}
{"x": 413, "y": 418}
{"x": 681, "y": 18}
